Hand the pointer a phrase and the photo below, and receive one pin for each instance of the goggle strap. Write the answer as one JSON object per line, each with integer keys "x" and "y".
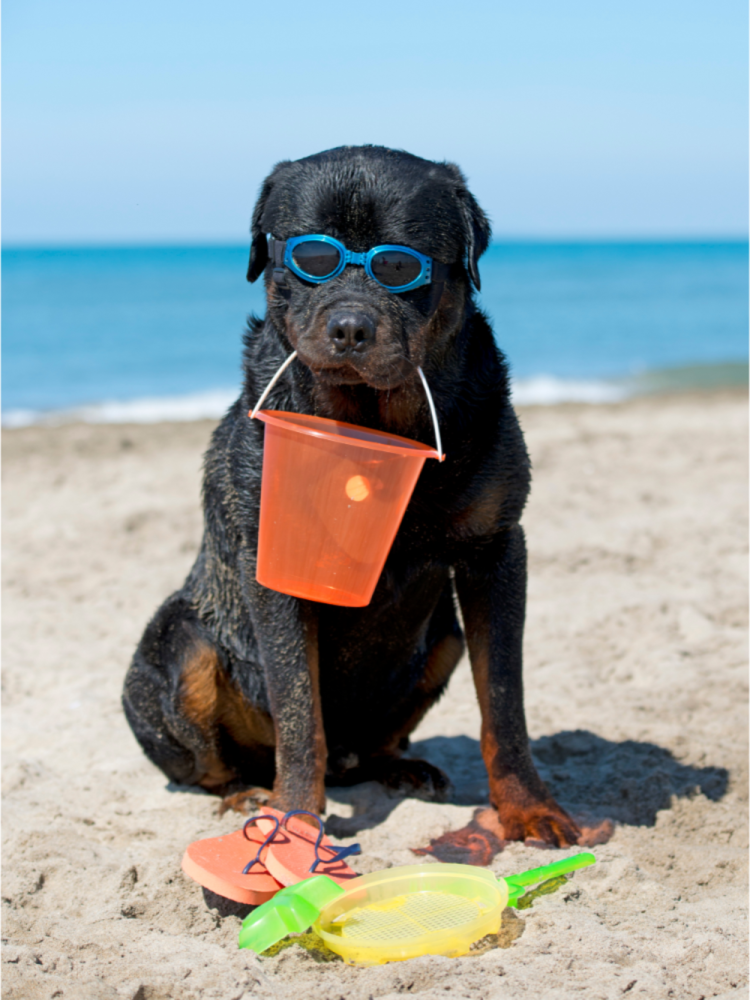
{"x": 276, "y": 250}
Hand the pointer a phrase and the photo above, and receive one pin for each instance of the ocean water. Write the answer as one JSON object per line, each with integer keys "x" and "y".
{"x": 150, "y": 333}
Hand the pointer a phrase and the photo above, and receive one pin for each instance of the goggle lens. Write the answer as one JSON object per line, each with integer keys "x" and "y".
{"x": 316, "y": 258}
{"x": 395, "y": 268}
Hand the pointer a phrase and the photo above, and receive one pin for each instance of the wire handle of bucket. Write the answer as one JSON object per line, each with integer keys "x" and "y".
{"x": 430, "y": 401}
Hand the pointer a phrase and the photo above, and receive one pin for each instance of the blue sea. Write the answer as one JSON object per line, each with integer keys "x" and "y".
{"x": 149, "y": 333}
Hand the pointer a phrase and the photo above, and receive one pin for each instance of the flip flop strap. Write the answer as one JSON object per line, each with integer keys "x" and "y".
{"x": 266, "y": 842}
{"x": 339, "y": 853}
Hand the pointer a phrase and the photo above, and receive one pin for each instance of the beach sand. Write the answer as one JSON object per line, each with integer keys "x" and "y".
{"x": 636, "y": 698}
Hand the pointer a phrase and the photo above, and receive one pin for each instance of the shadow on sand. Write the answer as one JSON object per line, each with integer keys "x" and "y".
{"x": 628, "y": 782}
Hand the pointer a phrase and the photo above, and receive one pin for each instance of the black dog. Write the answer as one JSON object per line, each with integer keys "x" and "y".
{"x": 235, "y": 684}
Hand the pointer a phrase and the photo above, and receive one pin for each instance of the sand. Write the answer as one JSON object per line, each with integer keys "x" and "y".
{"x": 636, "y": 698}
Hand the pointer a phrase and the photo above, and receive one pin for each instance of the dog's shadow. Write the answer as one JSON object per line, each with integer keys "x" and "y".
{"x": 628, "y": 782}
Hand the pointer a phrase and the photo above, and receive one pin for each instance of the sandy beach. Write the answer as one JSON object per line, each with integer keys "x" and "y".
{"x": 636, "y": 694}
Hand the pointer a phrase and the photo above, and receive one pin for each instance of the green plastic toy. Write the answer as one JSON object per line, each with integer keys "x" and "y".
{"x": 518, "y": 884}
{"x": 432, "y": 909}
{"x": 291, "y": 911}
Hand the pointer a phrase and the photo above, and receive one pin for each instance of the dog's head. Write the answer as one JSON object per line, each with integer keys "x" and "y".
{"x": 350, "y": 329}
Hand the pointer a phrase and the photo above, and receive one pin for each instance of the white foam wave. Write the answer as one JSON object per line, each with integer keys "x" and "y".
{"x": 209, "y": 405}
{"x": 542, "y": 390}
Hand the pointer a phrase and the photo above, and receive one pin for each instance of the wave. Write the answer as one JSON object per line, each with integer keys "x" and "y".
{"x": 540, "y": 390}
{"x": 210, "y": 405}
{"x": 544, "y": 390}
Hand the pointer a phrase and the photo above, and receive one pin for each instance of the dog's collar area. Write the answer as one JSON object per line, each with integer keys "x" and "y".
{"x": 279, "y": 253}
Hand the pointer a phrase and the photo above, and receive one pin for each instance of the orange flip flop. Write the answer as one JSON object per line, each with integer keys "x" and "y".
{"x": 297, "y": 851}
{"x": 231, "y": 865}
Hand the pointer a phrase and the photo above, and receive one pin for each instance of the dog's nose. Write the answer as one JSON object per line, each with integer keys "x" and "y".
{"x": 351, "y": 331}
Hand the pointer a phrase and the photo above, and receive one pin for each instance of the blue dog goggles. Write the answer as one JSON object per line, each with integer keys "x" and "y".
{"x": 321, "y": 258}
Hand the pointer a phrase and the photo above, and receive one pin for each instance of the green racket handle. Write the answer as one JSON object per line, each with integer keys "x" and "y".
{"x": 517, "y": 883}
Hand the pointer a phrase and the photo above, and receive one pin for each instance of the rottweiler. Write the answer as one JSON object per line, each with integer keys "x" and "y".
{"x": 256, "y": 695}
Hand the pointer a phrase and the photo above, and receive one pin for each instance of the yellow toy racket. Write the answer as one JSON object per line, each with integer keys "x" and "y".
{"x": 399, "y": 913}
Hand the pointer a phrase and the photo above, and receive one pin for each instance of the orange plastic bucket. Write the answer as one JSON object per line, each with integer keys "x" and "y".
{"x": 332, "y": 499}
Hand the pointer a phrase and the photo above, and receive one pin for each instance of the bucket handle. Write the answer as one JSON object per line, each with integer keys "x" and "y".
{"x": 430, "y": 402}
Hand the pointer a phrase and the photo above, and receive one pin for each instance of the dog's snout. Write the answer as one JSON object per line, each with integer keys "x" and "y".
{"x": 351, "y": 331}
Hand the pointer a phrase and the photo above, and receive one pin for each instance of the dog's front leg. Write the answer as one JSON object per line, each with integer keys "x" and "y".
{"x": 287, "y": 634}
{"x": 491, "y": 588}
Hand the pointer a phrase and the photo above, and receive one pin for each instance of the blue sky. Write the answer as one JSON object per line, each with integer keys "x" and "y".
{"x": 156, "y": 121}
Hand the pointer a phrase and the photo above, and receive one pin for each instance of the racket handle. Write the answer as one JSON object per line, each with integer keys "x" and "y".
{"x": 534, "y": 875}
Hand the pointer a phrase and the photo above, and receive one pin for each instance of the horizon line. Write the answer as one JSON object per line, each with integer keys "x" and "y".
{"x": 188, "y": 244}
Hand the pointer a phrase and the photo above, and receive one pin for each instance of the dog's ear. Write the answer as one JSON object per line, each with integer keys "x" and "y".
{"x": 477, "y": 229}
{"x": 259, "y": 245}
{"x": 477, "y": 233}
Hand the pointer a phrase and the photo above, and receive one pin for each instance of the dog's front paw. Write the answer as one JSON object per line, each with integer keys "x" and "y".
{"x": 417, "y": 779}
{"x": 245, "y": 802}
{"x": 526, "y": 811}
{"x": 542, "y": 824}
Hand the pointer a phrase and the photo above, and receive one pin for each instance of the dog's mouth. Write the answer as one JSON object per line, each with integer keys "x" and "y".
{"x": 383, "y": 377}
{"x": 340, "y": 375}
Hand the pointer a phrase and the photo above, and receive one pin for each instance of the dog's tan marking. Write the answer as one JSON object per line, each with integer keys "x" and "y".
{"x": 244, "y": 801}
{"x": 482, "y": 516}
{"x": 480, "y": 668}
{"x": 199, "y": 688}
{"x": 246, "y": 724}
{"x": 215, "y": 773}
{"x": 209, "y": 699}
{"x": 521, "y": 814}
{"x": 199, "y": 699}
{"x": 441, "y": 663}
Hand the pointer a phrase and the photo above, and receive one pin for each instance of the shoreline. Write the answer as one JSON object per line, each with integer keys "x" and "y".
{"x": 163, "y": 428}
{"x": 539, "y": 390}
